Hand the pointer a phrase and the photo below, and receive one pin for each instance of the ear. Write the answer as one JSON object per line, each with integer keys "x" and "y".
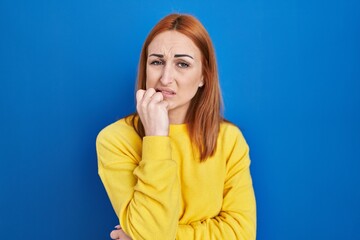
{"x": 201, "y": 82}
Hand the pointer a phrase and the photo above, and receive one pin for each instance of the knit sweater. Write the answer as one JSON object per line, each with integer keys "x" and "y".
{"x": 160, "y": 190}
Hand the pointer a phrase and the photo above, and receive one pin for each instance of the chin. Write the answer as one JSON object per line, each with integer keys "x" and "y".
{"x": 170, "y": 106}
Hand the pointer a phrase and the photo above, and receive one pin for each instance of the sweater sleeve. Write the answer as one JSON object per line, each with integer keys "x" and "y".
{"x": 144, "y": 194}
{"x": 237, "y": 218}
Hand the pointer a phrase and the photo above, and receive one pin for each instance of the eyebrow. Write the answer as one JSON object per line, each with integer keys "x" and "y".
{"x": 183, "y": 55}
{"x": 156, "y": 55}
{"x": 176, "y": 55}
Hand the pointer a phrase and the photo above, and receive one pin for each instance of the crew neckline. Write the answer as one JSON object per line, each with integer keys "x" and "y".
{"x": 176, "y": 128}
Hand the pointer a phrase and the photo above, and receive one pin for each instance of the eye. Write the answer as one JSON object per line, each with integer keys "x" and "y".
{"x": 156, "y": 62}
{"x": 183, "y": 65}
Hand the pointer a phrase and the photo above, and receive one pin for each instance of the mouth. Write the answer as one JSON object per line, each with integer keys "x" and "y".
{"x": 166, "y": 92}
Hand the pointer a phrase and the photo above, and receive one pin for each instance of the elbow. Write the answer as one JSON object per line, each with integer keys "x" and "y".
{"x": 146, "y": 224}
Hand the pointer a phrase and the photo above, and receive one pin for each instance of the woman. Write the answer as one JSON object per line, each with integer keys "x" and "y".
{"x": 176, "y": 169}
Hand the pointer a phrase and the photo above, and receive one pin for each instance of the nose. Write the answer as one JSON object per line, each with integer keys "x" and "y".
{"x": 167, "y": 76}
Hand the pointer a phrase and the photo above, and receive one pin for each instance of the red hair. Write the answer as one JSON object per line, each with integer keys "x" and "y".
{"x": 204, "y": 115}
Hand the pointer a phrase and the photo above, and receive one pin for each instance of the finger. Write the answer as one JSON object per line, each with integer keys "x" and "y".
{"x": 139, "y": 95}
{"x": 154, "y": 102}
{"x": 157, "y": 97}
{"x": 142, "y": 105}
{"x": 118, "y": 227}
{"x": 148, "y": 95}
{"x": 164, "y": 104}
{"x": 115, "y": 234}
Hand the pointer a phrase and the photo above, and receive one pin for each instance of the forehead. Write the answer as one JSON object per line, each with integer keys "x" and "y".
{"x": 173, "y": 42}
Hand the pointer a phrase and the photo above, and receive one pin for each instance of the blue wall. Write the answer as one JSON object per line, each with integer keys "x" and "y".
{"x": 290, "y": 73}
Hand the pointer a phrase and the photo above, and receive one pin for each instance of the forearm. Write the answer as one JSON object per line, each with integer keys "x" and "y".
{"x": 152, "y": 212}
{"x": 144, "y": 191}
{"x": 224, "y": 226}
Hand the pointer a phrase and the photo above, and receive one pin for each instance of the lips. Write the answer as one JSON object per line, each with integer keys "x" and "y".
{"x": 166, "y": 91}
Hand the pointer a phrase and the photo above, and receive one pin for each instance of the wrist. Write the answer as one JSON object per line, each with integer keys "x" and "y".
{"x": 163, "y": 133}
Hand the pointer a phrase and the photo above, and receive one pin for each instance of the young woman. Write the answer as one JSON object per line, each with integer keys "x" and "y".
{"x": 176, "y": 169}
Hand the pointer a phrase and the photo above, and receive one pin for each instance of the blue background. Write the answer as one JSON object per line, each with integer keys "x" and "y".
{"x": 290, "y": 73}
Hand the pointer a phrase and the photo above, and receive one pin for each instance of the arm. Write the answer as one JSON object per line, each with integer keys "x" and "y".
{"x": 144, "y": 192}
{"x": 142, "y": 186}
{"x": 237, "y": 218}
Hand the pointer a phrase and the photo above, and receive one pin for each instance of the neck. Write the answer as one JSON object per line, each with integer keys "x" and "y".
{"x": 177, "y": 114}
{"x": 176, "y": 117}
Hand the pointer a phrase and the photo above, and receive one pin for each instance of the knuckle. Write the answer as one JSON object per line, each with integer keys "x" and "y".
{"x": 151, "y": 106}
{"x": 159, "y": 96}
{"x": 143, "y": 104}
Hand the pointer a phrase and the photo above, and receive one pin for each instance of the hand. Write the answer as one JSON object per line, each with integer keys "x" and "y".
{"x": 153, "y": 112}
{"x": 119, "y": 234}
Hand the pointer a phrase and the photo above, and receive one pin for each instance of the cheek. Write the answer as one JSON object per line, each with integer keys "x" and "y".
{"x": 190, "y": 89}
{"x": 150, "y": 78}
{"x": 193, "y": 84}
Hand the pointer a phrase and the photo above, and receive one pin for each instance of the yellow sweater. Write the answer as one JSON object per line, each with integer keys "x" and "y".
{"x": 160, "y": 190}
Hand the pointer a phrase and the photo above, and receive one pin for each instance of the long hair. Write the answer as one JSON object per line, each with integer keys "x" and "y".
{"x": 204, "y": 115}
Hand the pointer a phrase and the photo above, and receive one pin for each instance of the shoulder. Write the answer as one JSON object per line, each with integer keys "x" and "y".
{"x": 117, "y": 132}
{"x": 231, "y": 135}
{"x": 229, "y": 129}
{"x": 233, "y": 146}
{"x": 118, "y": 142}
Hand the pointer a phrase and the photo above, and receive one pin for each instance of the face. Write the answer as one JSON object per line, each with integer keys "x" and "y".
{"x": 174, "y": 68}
